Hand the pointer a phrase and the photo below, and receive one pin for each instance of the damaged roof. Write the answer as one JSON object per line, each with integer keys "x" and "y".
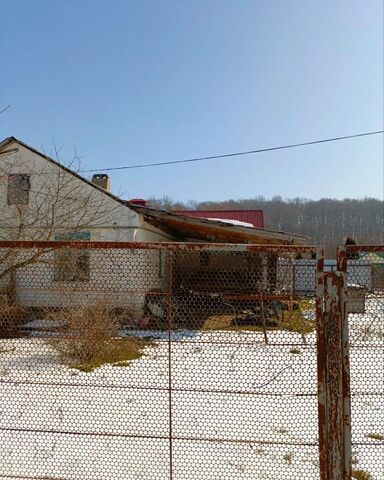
{"x": 186, "y": 228}
{"x": 7, "y": 141}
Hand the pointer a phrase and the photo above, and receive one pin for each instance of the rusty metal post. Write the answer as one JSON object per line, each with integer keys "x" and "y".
{"x": 170, "y": 332}
{"x": 343, "y": 301}
{"x": 333, "y": 377}
{"x": 321, "y": 371}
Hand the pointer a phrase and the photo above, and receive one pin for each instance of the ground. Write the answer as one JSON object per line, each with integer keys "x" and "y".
{"x": 240, "y": 409}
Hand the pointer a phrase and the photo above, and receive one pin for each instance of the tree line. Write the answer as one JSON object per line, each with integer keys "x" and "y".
{"x": 327, "y": 221}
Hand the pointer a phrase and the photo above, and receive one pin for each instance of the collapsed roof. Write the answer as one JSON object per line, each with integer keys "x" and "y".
{"x": 185, "y": 228}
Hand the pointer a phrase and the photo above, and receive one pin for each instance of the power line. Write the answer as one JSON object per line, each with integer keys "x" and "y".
{"x": 235, "y": 154}
{"x": 212, "y": 157}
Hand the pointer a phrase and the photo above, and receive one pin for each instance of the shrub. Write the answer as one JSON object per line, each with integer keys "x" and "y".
{"x": 89, "y": 337}
{"x": 86, "y": 331}
{"x": 11, "y": 317}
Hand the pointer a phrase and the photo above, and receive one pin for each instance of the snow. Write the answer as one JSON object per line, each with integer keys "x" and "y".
{"x": 42, "y": 324}
{"x": 239, "y": 223}
{"x": 241, "y": 409}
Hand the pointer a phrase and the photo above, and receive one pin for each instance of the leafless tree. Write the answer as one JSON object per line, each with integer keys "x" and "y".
{"x": 41, "y": 200}
{"x": 3, "y": 109}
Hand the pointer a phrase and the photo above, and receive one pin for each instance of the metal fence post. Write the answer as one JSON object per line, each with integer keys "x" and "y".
{"x": 333, "y": 377}
{"x": 171, "y": 265}
{"x": 321, "y": 370}
{"x": 343, "y": 302}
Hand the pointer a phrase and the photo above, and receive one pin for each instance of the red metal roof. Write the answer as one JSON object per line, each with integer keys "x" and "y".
{"x": 255, "y": 217}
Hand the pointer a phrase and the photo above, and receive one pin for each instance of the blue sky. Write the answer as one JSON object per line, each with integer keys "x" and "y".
{"x": 126, "y": 82}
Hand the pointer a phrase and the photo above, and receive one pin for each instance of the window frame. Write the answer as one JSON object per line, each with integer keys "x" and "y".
{"x": 77, "y": 266}
{"x": 16, "y": 194}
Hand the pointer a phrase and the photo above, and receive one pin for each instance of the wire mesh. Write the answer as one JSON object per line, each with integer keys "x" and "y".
{"x": 158, "y": 361}
{"x": 365, "y": 284}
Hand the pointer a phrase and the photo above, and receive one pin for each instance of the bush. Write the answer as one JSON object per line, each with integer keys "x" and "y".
{"x": 86, "y": 331}
{"x": 89, "y": 338}
{"x": 11, "y": 317}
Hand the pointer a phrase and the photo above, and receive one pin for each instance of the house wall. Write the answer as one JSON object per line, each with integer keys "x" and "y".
{"x": 359, "y": 272}
{"x": 220, "y": 271}
{"x": 378, "y": 277}
{"x": 118, "y": 277}
{"x": 300, "y": 275}
{"x": 61, "y": 203}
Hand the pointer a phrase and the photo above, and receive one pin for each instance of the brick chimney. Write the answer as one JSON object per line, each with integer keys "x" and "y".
{"x": 102, "y": 180}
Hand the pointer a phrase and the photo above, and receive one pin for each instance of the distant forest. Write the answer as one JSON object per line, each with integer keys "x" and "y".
{"x": 327, "y": 222}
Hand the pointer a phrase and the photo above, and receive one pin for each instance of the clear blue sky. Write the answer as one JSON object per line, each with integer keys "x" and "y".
{"x": 131, "y": 81}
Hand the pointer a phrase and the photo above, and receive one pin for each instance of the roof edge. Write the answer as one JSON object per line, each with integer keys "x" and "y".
{"x": 9, "y": 140}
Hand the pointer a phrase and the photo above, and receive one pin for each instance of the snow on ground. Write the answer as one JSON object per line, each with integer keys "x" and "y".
{"x": 240, "y": 409}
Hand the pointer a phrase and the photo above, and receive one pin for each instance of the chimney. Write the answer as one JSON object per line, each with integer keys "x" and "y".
{"x": 102, "y": 180}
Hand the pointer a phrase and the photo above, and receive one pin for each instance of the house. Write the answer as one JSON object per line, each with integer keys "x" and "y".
{"x": 42, "y": 200}
{"x": 375, "y": 260}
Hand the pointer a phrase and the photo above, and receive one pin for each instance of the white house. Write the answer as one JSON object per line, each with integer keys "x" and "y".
{"x": 42, "y": 200}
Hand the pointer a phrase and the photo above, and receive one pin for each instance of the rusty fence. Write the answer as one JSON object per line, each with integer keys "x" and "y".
{"x": 363, "y": 270}
{"x": 175, "y": 361}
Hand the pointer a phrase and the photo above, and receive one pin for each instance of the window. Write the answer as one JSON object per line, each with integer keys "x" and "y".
{"x": 72, "y": 265}
{"x": 18, "y": 189}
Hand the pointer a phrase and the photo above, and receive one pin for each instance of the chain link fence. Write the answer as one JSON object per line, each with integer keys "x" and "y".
{"x": 364, "y": 268}
{"x": 158, "y": 362}
{"x": 173, "y": 361}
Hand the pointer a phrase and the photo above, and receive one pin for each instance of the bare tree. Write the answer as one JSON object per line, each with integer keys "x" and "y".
{"x": 3, "y": 109}
{"x": 42, "y": 199}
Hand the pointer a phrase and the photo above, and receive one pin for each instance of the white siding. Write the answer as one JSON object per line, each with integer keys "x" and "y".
{"x": 59, "y": 199}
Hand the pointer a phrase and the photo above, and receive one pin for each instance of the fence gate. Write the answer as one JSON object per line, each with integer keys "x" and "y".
{"x": 183, "y": 361}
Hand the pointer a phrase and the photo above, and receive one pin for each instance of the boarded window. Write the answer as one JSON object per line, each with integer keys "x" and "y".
{"x": 72, "y": 265}
{"x": 18, "y": 189}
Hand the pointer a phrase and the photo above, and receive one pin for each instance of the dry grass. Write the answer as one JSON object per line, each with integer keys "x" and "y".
{"x": 282, "y": 430}
{"x": 288, "y": 457}
{"x": 295, "y": 351}
{"x": 118, "y": 351}
{"x": 8, "y": 350}
{"x": 361, "y": 475}
{"x": 307, "y": 304}
{"x": 294, "y": 320}
{"x": 11, "y": 317}
{"x": 291, "y": 319}
{"x": 86, "y": 331}
{"x": 376, "y": 436}
{"x": 218, "y": 322}
{"x": 90, "y": 339}
{"x": 225, "y": 323}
